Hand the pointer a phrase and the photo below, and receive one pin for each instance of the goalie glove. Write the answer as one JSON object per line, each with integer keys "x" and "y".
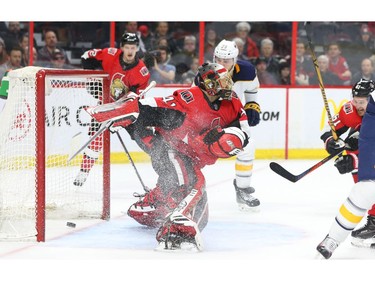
{"x": 347, "y": 163}
{"x": 121, "y": 113}
{"x": 252, "y": 110}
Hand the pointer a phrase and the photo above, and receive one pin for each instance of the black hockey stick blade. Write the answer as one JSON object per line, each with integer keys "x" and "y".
{"x": 278, "y": 169}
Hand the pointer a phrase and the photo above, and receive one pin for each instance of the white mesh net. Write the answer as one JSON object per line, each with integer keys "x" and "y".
{"x": 66, "y": 128}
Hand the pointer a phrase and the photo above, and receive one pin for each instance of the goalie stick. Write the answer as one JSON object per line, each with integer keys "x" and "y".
{"x": 107, "y": 124}
{"x": 278, "y": 169}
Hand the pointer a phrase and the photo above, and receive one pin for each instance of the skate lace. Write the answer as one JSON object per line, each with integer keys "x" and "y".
{"x": 246, "y": 196}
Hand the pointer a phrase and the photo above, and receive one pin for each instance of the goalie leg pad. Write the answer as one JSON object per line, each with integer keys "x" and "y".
{"x": 122, "y": 112}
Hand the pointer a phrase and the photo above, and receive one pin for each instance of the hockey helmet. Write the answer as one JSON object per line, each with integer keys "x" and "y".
{"x": 215, "y": 80}
{"x": 226, "y": 50}
{"x": 363, "y": 88}
{"x": 129, "y": 38}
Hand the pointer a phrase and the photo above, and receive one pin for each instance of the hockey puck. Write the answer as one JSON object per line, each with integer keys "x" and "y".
{"x": 71, "y": 224}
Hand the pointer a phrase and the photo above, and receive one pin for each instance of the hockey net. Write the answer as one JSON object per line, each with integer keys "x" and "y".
{"x": 42, "y": 124}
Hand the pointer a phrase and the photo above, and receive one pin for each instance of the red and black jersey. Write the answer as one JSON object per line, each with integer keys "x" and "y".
{"x": 347, "y": 118}
{"x": 124, "y": 77}
{"x": 199, "y": 115}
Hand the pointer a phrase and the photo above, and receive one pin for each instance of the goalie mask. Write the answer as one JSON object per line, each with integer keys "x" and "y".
{"x": 363, "y": 88}
{"x": 215, "y": 80}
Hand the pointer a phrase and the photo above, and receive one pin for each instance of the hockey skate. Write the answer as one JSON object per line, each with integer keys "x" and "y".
{"x": 152, "y": 207}
{"x": 246, "y": 202}
{"x": 327, "y": 247}
{"x": 179, "y": 233}
{"x": 364, "y": 237}
{"x": 81, "y": 178}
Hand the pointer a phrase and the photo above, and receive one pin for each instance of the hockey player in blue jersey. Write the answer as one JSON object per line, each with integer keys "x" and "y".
{"x": 246, "y": 86}
{"x": 362, "y": 195}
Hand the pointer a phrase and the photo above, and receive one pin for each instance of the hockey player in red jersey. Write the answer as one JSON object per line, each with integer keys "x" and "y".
{"x": 349, "y": 119}
{"x": 127, "y": 74}
{"x": 362, "y": 195}
{"x": 194, "y": 127}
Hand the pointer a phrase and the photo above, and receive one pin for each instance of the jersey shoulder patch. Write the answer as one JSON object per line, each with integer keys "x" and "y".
{"x": 187, "y": 96}
{"x": 144, "y": 71}
{"x": 348, "y": 108}
{"x": 112, "y": 51}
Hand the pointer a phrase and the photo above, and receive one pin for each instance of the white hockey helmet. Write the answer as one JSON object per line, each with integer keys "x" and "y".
{"x": 226, "y": 50}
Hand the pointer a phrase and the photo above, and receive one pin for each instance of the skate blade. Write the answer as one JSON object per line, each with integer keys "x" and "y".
{"x": 363, "y": 243}
{"x": 184, "y": 247}
{"x": 248, "y": 209}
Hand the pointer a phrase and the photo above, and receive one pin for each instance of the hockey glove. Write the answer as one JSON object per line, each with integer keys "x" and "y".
{"x": 352, "y": 141}
{"x": 212, "y": 135}
{"x": 347, "y": 163}
{"x": 334, "y": 147}
{"x": 252, "y": 110}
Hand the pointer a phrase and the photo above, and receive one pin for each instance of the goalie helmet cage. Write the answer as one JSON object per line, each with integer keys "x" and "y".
{"x": 42, "y": 123}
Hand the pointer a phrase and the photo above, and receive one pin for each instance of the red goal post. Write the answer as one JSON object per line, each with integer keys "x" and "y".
{"x": 42, "y": 123}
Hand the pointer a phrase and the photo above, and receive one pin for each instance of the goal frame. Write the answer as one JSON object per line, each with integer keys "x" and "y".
{"x": 40, "y": 184}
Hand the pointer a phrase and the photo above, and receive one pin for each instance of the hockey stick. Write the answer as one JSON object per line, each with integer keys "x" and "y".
{"x": 132, "y": 162}
{"x": 321, "y": 85}
{"x": 103, "y": 127}
{"x": 278, "y": 169}
{"x": 107, "y": 125}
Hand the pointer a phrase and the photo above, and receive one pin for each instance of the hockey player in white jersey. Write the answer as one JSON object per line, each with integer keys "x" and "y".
{"x": 246, "y": 86}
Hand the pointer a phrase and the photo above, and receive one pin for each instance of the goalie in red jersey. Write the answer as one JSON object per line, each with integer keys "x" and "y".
{"x": 349, "y": 119}
{"x": 193, "y": 128}
{"x": 127, "y": 74}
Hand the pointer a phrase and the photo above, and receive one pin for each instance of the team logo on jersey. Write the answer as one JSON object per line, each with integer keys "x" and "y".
{"x": 187, "y": 96}
{"x": 144, "y": 71}
{"x": 118, "y": 87}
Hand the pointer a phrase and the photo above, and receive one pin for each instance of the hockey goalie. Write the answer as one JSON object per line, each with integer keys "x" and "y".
{"x": 193, "y": 128}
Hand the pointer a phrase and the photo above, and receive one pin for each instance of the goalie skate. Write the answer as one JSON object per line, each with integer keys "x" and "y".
{"x": 179, "y": 233}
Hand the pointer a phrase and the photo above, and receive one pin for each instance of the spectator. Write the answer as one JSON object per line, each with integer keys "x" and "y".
{"x": 147, "y": 38}
{"x": 284, "y": 73}
{"x": 162, "y": 72}
{"x": 211, "y": 41}
{"x": 250, "y": 49}
{"x": 338, "y": 64}
{"x": 329, "y": 78}
{"x": 3, "y": 52}
{"x": 59, "y": 60}
{"x": 12, "y": 35}
{"x": 240, "y": 45}
{"x": 15, "y": 58}
{"x": 264, "y": 76}
{"x": 188, "y": 77}
{"x": 272, "y": 62}
{"x": 183, "y": 59}
{"x": 304, "y": 65}
{"x": 46, "y": 52}
{"x": 162, "y": 30}
{"x": 366, "y": 47}
{"x": 366, "y": 72}
{"x": 25, "y": 58}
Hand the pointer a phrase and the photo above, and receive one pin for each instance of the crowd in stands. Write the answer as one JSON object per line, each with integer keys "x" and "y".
{"x": 345, "y": 51}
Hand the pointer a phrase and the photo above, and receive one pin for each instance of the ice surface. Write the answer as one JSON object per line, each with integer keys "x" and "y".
{"x": 277, "y": 242}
